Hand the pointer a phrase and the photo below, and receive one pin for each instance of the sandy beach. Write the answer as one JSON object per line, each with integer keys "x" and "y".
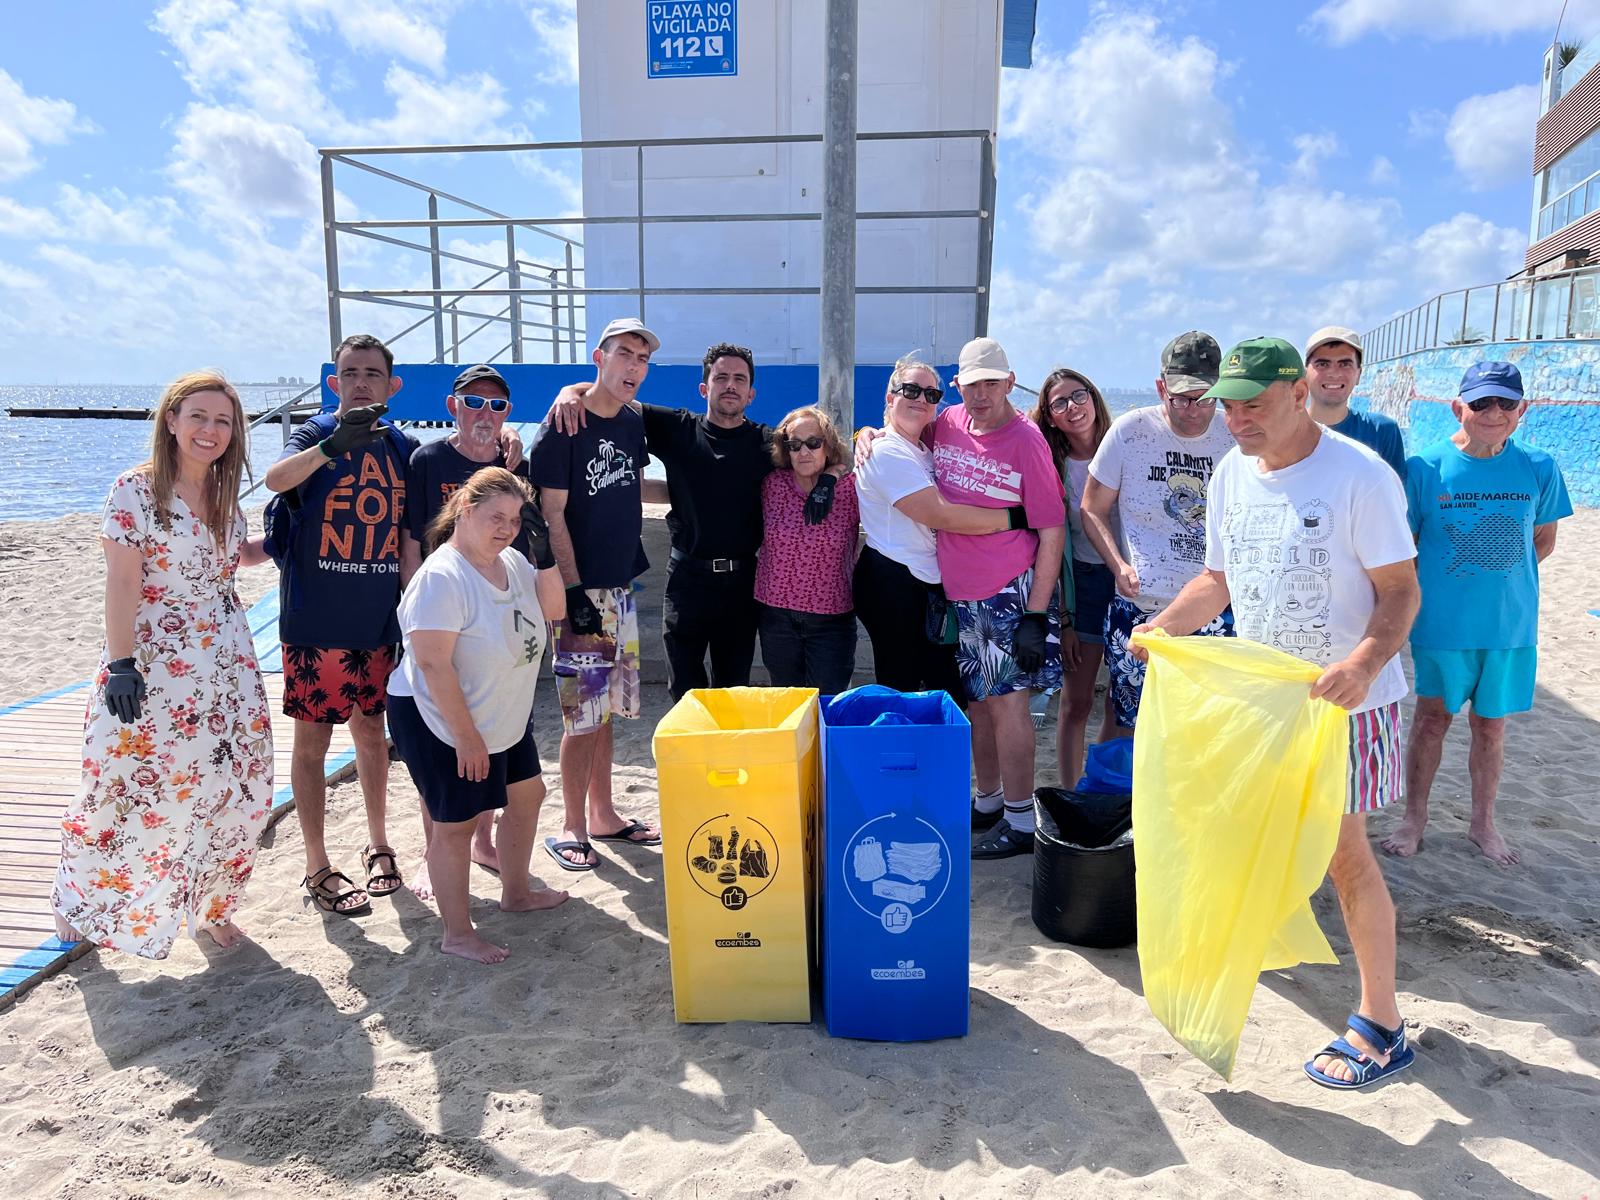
{"x": 350, "y": 1058}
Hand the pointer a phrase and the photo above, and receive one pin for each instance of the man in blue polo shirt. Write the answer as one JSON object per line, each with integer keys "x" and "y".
{"x": 1484, "y": 512}
{"x": 338, "y": 595}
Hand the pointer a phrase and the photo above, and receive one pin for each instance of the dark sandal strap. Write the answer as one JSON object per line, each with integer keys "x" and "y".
{"x": 325, "y": 895}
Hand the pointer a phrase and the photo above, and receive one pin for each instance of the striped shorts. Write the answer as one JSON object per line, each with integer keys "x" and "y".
{"x": 1377, "y": 767}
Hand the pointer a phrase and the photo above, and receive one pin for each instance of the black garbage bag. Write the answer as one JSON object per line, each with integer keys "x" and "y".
{"x": 1083, "y": 890}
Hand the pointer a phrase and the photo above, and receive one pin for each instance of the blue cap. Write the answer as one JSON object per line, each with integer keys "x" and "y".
{"x": 1491, "y": 379}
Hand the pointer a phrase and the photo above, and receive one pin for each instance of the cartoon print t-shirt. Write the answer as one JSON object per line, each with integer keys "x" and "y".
{"x": 1296, "y": 545}
{"x": 600, "y": 468}
{"x": 1161, "y": 481}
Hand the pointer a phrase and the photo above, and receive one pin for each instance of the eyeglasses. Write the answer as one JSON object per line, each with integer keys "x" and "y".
{"x": 795, "y": 445}
{"x": 497, "y": 404}
{"x": 1483, "y": 403}
{"x": 1190, "y": 401}
{"x": 913, "y": 391}
{"x": 1060, "y": 404}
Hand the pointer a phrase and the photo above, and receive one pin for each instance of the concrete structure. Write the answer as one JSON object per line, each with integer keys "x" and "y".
{"x": 1565, "y": 230}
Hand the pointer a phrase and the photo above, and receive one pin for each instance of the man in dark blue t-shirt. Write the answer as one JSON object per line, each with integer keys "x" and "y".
{"x": 1333, "y": 368}
{"x": 590, "y": 486}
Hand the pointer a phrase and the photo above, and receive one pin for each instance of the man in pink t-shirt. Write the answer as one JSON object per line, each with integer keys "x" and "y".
{"x": 1002, "y": 585}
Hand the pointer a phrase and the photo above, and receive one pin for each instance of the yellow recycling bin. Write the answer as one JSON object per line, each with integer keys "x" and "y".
{"x": 738, "y": 776}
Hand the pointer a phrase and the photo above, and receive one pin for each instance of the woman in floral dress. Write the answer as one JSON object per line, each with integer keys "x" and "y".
{"x": 177, "y": 759}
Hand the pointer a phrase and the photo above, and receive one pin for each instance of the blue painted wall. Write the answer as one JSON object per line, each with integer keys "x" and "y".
{"x": 779, "y": 389}
{"x": 1563, "y": 386}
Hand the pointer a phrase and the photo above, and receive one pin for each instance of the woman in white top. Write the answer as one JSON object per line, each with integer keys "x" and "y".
{"x": 473, "y": 622}
{"x": 896, "y": 581}
{"x": 1073, "y": 417}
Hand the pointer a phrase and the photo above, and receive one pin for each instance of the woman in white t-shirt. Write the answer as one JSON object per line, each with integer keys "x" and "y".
{"x": 1074, "y": 419}
{"x": 896, "y": 581}
{"x": 473, "y": 621}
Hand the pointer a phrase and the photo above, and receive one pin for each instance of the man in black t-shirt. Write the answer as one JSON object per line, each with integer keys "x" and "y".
{"x": 715, "y": 464}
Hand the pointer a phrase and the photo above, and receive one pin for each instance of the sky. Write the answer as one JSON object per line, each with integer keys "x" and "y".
{"x": 1239, "y": 166}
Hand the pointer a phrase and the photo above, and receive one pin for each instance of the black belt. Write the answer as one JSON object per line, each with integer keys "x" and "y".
{"x": 717, "y": 566}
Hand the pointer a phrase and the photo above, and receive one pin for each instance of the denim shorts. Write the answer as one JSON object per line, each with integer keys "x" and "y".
{"x": 1095, "y": 585}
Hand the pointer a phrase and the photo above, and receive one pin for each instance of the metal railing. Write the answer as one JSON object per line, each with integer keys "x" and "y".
{"x": 1560, "y": 306}
{"x": 517, "y": 285}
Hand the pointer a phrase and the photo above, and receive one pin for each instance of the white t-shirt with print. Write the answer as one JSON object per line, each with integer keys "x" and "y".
{"x": 898, "y": 468}
{"x": 1161, "y": 481}
{"x": 1296, "y": 544}
{"x": 501, "y": 635}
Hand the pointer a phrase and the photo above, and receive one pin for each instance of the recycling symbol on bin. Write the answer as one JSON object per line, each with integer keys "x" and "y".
{"x": 732, "y": 858}
{"x": 896, "y": 868}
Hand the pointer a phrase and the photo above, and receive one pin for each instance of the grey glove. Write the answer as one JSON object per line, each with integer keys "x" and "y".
{"x": 356, "y": 428}
{"x": 125, "y": 690}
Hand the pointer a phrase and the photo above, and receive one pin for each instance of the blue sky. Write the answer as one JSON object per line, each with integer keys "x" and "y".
{"x": 1242, "y": 167}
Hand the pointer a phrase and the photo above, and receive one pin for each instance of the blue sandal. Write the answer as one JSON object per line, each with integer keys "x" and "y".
{"x": 1389, "y": 1041}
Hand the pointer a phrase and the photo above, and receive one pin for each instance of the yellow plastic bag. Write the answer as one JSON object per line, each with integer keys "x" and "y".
{"x": 738, "y": 772}
{"x": 1238, "y": 791}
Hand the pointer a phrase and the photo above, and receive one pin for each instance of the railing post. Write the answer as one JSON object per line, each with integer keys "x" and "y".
{"x": 572, "y": 311}
{"x": 837, "y": 340}
{"x": 455, "y": 332}
{"x": 1494, "y": 317}
{"x": 638, "y": 223}
{"x": 330, "y": 255}
{"x": 1466, "y": 299}
{"x": 437, "y": 277}
{"x": 1572, "y": 300}
{"x": 514, "y": 275}
{"x": 555, "y": 317}
{"x": 986, "y": 195}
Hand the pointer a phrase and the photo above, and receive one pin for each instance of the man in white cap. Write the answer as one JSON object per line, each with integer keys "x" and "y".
{"x": 589, "y": 484}
{"x": 1333, "y": 368}
{"x": 1002, "y": 585}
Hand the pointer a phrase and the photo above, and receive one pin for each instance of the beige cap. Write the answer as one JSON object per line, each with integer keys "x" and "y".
{"x": 630, "y": 325}
{"x": 982, "y": 358}
{"x": 1335, "y": 333}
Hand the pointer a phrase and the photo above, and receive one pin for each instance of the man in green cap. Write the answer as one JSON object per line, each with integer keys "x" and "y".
{"x": 1307, "y": 538}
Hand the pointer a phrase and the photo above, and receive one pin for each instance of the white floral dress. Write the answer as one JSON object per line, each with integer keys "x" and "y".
{"x": 164, "y": 827}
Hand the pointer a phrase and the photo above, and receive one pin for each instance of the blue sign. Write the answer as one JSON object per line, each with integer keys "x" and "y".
{"x": 686, "y": 38}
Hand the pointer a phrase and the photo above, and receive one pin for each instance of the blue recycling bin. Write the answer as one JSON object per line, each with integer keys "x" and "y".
{"x": 897, "y": 869}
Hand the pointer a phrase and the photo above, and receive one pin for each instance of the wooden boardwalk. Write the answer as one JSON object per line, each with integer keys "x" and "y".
{"x": 41, "y": 757}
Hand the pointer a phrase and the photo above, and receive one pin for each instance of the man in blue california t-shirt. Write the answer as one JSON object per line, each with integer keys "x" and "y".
{"x": 1484, "y": 512}
{"x": 1333, "y": 368}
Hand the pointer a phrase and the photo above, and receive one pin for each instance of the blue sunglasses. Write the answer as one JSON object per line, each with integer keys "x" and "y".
{"x": 497, "y": 404}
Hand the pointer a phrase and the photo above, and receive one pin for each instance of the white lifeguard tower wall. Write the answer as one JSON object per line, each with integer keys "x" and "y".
{"x": 923, "y": 65}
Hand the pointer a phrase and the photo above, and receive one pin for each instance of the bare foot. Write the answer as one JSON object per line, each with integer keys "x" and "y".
{"x": 485, "y": 855}
{"x": 533, "y": 900}
{"x": 227, "y": 935}
{"x": 474, "y": 948}
{"x": 65, "y": 931}
{"x": 421, "y": 885}
{"x": 1404, "y": 841}
{"x": 1494, "y": 847}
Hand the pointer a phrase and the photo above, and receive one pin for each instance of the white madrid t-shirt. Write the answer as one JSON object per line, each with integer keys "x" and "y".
{"x": 897, "y": 469}
{"x": 1161, "y": 481}
{"x": 1296, "y": 544}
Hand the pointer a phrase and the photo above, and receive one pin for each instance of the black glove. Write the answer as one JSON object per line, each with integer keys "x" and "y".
{"x": 125, "y": 690}
{"x": 820, "y": 502}
{"x": 538, "y": 535}
{"x": 1027, "y": 644}
{"x": 1016, "y": 517}
{"x": 356, "y": 428}
{"x": 582, "y": 615}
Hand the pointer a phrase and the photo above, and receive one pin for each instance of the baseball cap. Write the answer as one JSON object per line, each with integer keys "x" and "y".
{"x": 982, "y": 358}
{"x": 1190, "y": 361}
{"x": 1253, "y": 366}
{"x": 1335, "y": 333}
{"x": 481, "y": 371}
{"x": 629, "y": 325}
{"x": 1491, "y": 379}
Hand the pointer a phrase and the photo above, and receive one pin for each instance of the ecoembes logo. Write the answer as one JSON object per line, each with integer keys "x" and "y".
{"x": 906, "y": 968}
{"x": 739, "y": 941}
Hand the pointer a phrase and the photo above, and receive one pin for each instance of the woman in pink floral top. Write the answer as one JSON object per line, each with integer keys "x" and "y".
{"x": 177, "y": 758}
{"x": 808, "y": 622}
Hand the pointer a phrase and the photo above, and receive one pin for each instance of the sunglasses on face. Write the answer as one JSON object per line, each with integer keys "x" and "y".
{"x": 914, "y": 391}
{"x": 795, "y": 445}
{"x": 1484, "y": 403}
{"x": 498, "y": 404}
{"x": 1060, "y": 404}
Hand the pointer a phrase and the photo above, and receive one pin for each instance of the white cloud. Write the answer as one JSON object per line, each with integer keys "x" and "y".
{"x": 1346, "y": 20}
{"x": 27, "y": 121}
{"x": 1382, "y": 172}
{"x": 1490, "y": 137}
{"x": 462, "y": 109}
{"x": 240, "y": 164}
{"x": 1311, "y": 149}
{"x": 21, "y": 221}
{"x": 555, "y": 27}
{"x": 1464, "y": 251}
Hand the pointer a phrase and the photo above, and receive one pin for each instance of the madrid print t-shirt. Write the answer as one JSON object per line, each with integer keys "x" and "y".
{"x": 600, "y": 468}
{"x": 1296, "y": 545}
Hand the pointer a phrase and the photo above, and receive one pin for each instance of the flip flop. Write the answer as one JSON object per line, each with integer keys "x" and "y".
{"x": 1004, "y": 842}
{"x": 625, "y": 834}
{"x": 1389, "y": 1041}
{"x": 554, "y": 848}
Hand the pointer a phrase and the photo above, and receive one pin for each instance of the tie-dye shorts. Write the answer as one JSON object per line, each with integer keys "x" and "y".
{"x": 597, "y": 674}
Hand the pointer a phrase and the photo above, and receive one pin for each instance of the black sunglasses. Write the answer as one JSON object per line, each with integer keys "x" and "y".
{"x": 495, "y": 403}
{"x": 1482, "y": 403}
{"x": 794, "y": 445}
{"x": 914, "y": 391}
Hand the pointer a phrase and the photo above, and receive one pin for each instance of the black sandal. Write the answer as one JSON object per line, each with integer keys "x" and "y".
{"x": 381, "y": 883}
{"x": 327, "y": 897}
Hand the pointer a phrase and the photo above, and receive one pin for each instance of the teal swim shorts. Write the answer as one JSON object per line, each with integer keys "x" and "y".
{"x": 1498, "y": 682}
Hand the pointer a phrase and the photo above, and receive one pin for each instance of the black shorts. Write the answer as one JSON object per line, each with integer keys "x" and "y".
{"x": 432, "y": 763}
